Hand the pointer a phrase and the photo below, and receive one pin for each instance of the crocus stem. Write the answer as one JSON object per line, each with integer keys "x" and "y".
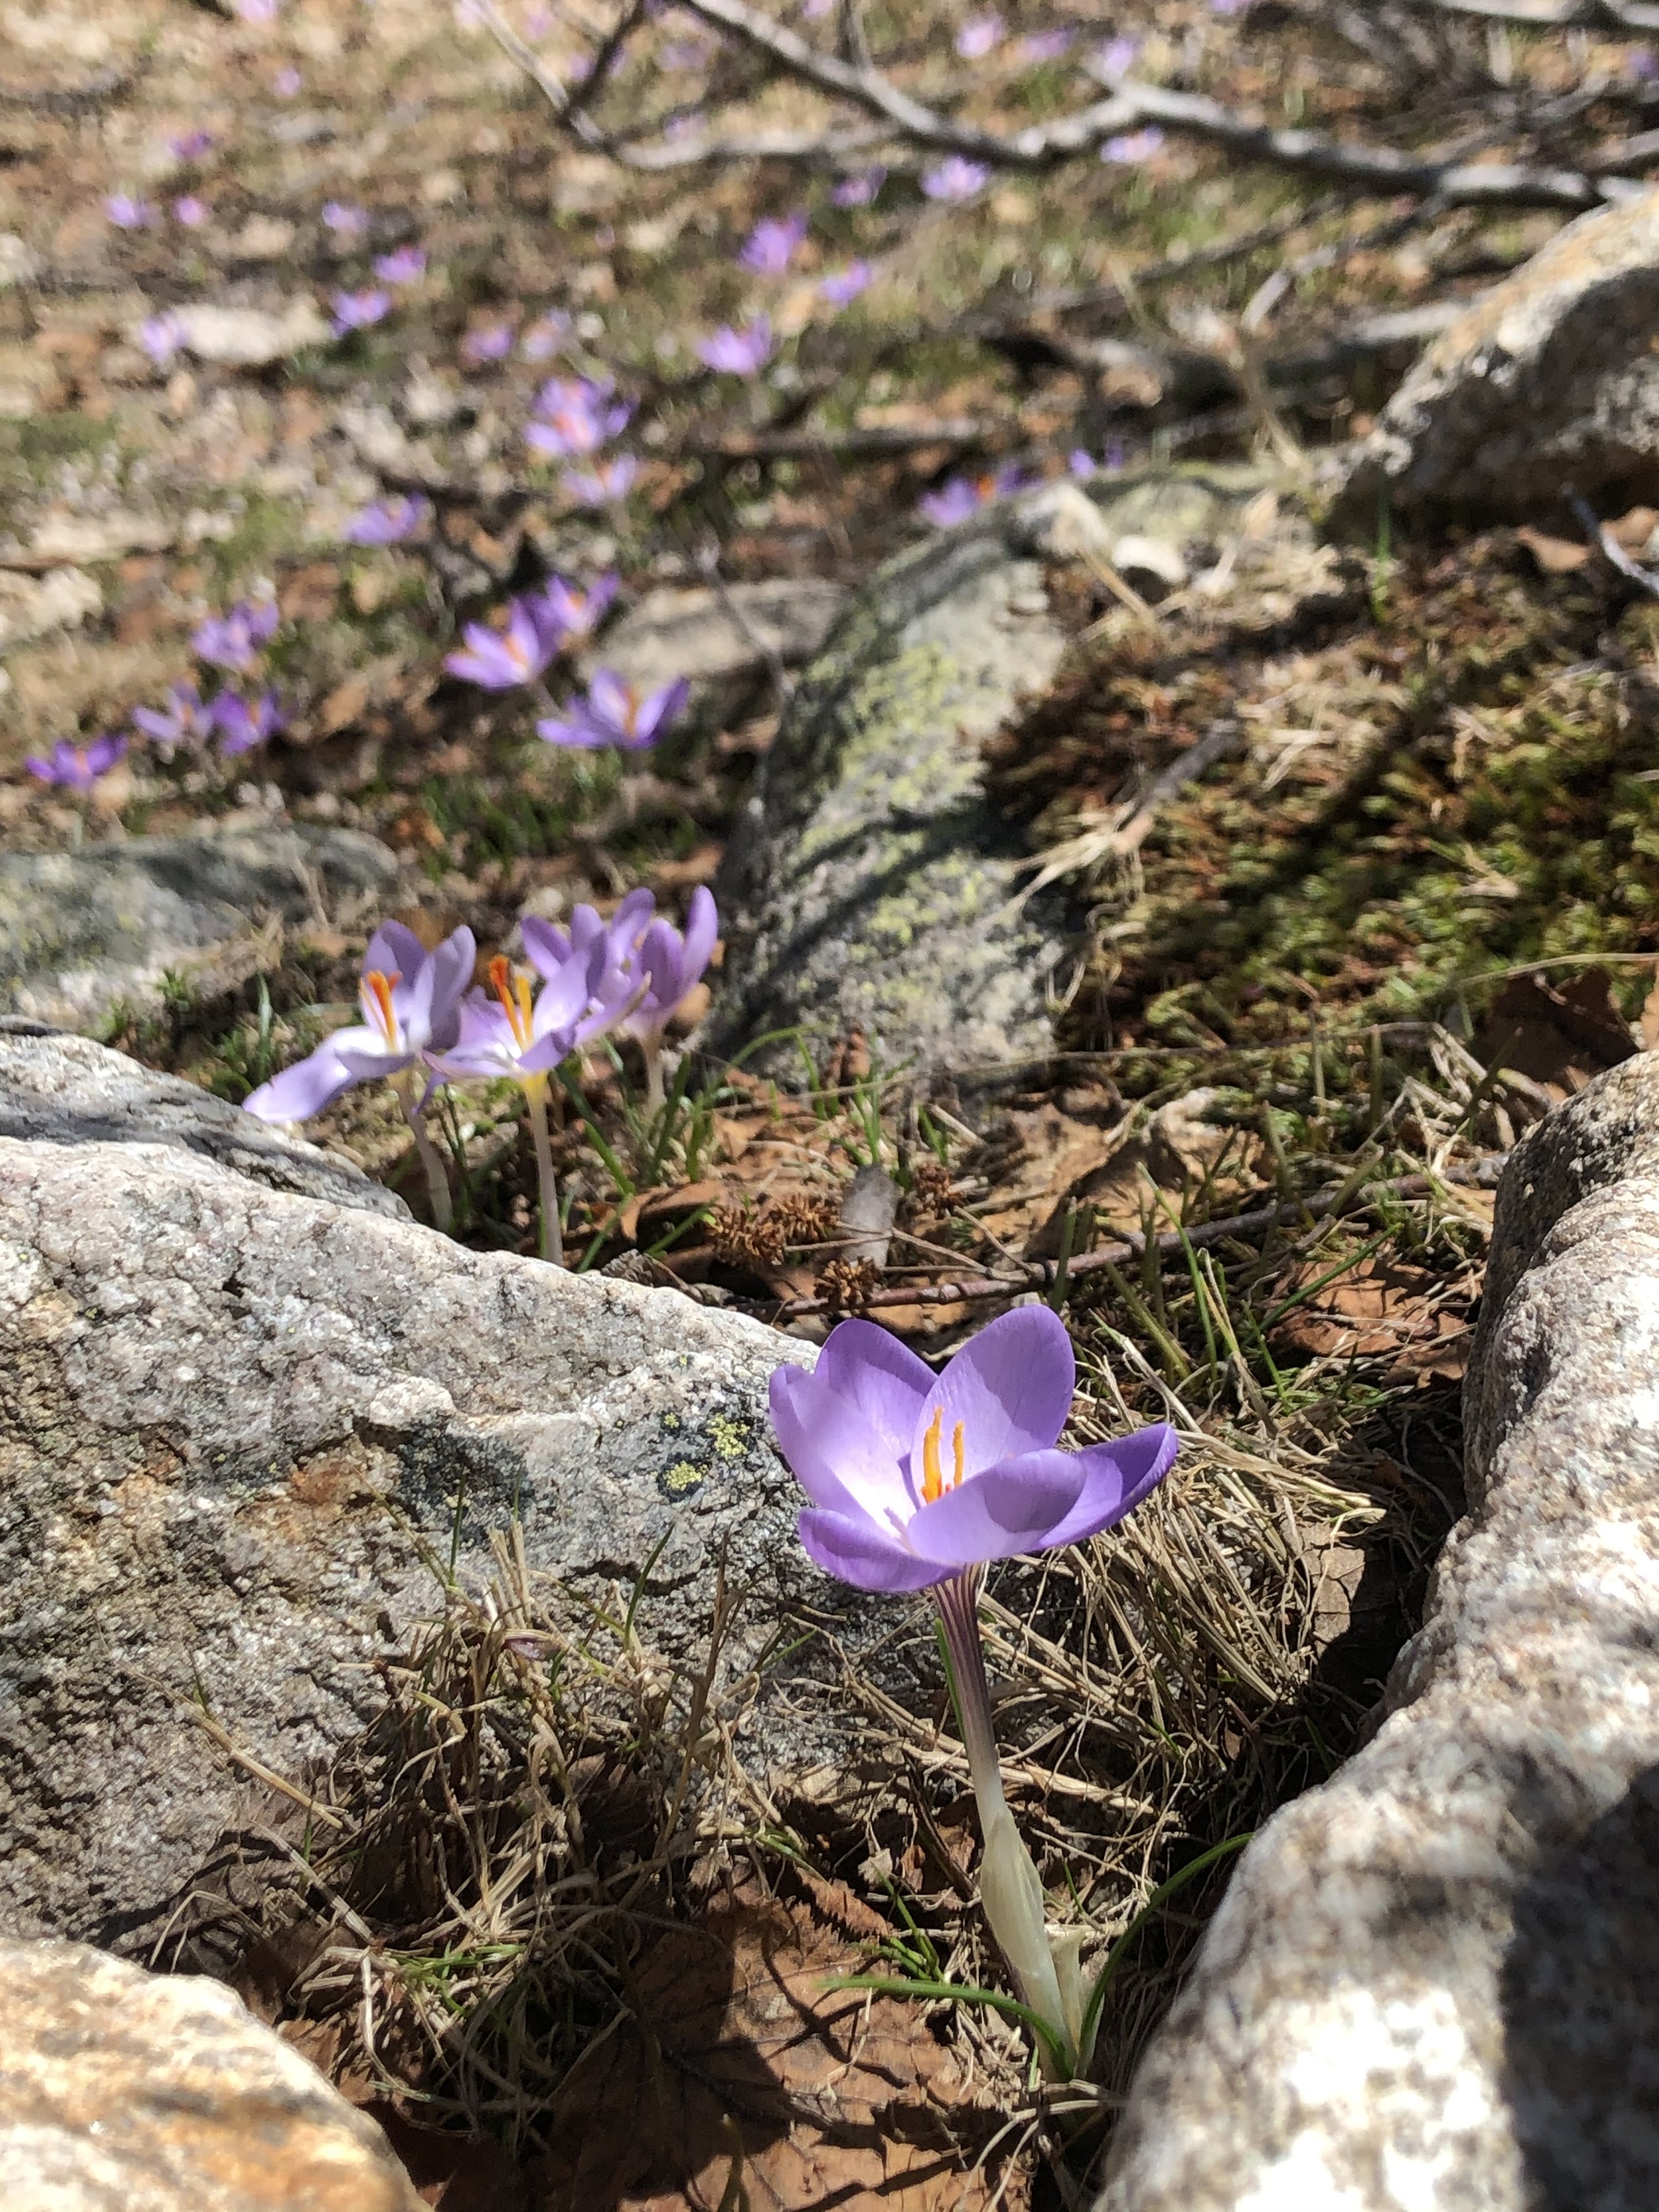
{"x": 437, "y": 1181}
{"x": 546, "y": 1188}
{"x": 653, "y": 1093}
{"x": 1010, "y": 1888}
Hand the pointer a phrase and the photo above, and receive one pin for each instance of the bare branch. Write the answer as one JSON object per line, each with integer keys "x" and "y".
{"x": 1557, "y": 14}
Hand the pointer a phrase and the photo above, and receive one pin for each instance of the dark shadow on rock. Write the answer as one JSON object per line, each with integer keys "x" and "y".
{"x": 1579, "y": 1994}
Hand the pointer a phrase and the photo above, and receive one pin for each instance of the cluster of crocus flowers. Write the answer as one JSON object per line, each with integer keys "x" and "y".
{"x": 76, "y": 766}
{"x": 234, "y": 641}
{"x": 919, "y": 1481}
{"x": 575, "y": 416}
{"x": 426, "y": 1022}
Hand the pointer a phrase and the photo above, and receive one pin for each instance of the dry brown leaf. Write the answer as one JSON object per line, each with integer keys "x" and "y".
{"x": 736, "y": 2048}
{"x": 1559, "y": 1038}
{"x": 1556, "y": 557}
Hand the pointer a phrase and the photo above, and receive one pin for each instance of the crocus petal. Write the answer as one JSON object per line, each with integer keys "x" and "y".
{"x": 300, "y": 1091}
{"x": 451, "y": 972}
{"x": 1116, "y": 1477}
{"x": 856, "y": 1551}
{"x": 1011, "y": 1388}
{"x": 840, "y": 1459}
{"x": 394, "y": 950}
{"x": 1008, "y": 1510}
{"x": 546, "y": 947}
{"x": 702, "y": 929}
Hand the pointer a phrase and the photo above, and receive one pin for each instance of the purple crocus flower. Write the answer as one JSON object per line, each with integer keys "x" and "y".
{"x": 161, "y": 336}
{"x": 286, "y": 83}
{"x": 578, "y": 613}
{"x": 1039, "y": 46}
{"x": 962, "y": 496}
{"x": 546, "y": 336}
{"x": 842, "y": 286}
{"x": 190, "y": 145}
{"x": 604, "y": 485}
{"x": 191, "y": 211}
{"x": 916, "y": 1478}
{"x": 501, "y": 659}
{"x": 77, "y": 767}
{"x": 1133, "y": 146}
{"x": 186, "y": 721}
{"x": 232, "y": 640}
{"x": 357, "y": 311}
{"x": 388, "y": 522}
{"x": 738, "y": 353}
{"x": 127, "y": 213}
{"x": 859, "y": 190}
{"x": 919, "y": 1481}
{"x": 241, "y": 726}
{"x": 506, "y": 1031}
{"x": 256, "y": 11}
{"x": 411, "y": 1006}
{"x": 344, "y": 219}
{"x": 669, "y": 964}
{"x": 493, "y": 342}
{"x": 615, "y": 714}
{"x": 405, "y": 266}
{"x": 979, "y": 36}
{"x": 1115, "y": 60}
{"x": 955, "y": 179}
{"x": 773, "y": 244}
{"x": 573, "y": 419}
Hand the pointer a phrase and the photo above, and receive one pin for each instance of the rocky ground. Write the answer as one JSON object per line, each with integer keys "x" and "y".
{"x": 1176, "y": 822}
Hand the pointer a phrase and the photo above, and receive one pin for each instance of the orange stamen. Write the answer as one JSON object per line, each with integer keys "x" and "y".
{"x": 377, "y": 989}
{"x": 956, "y": 1444}
{"x": 514, "y": 992}
{"x": 933, "y": 1476}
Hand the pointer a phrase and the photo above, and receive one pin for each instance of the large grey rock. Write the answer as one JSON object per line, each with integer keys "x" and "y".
{"x": 230, "y": 1419}
{"x": 123, "y": 2090}
{"x": 872, "y": 883}
{"x": 66, "y": 1090}
{"x": 1433, "y": 1984}
{"x": 1548, "y": 380}
{"x": 84, "y": 933}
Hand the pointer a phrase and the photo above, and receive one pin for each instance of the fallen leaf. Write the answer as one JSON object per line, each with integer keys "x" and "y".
{"x": 1559, "y": 1038}
{"x": 1556, "y": 557}
{"x": 739, "y": 2071}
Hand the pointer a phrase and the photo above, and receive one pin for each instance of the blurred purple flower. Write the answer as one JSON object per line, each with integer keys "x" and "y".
{"x": 813, "y": 9}
{"x": 842, "y": 286}
{"x": 1039, "y": 46}
{"x": 77, "y": 767}
{"x": 1228, "y": 7}
{"x": 1115, "y": 60}
{"x": 127, "y": 213}
{"x": 773, "y": 244}
{"x": 344, "y": 219}
{"x": 406, "y": 266}
{"x": 501, "y": 659}
{"x": 605, "y": 484}
{"x": 738, "y": 353}
{"x": 614, "y": 714}
{"x": 357, "y": 311}
{"x": 859, "y": 190}
{"x": 955, "y": 179}
{"x": 670, "y": 965}
{"x": 979, "y": 36}
{"x": 286, "y": 83}
{"x": 388, "y": 522}
{"x": 186, "y": 721}
{"x": 1133, "y": 146}
{"x": 161, "y": 336}
{"x": 578, "y": 613}
{"x": 1643, "y": 64}
{"x": 190, "y": 145}
{"x": 191, "y": 211}
{"x": 410, "y": 1000}
{"x": 241, "y": 726}
{"x": 256, "y": 11}
{"x": 961, "y": 496}
{"x": 545, "y": 336}
{"x": 915, "y": 1477}
{"x": 573, "y": 418}
{"x": 494, "y": 342}
{"x": 232, "y": 640}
